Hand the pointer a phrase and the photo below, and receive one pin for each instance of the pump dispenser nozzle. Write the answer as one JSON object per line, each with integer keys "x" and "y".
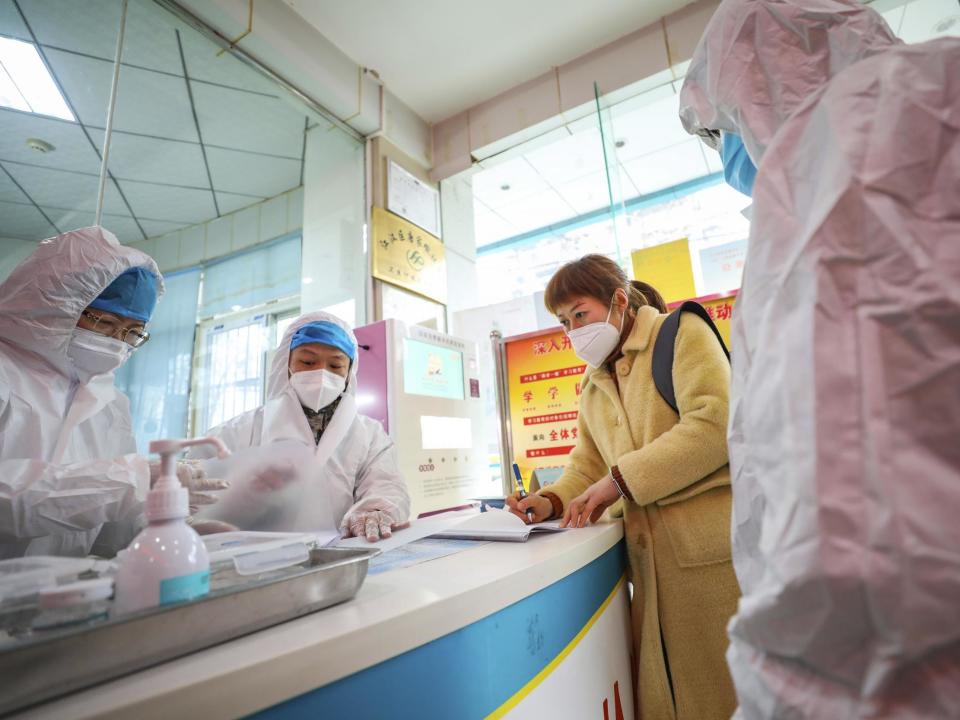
{"x": 167, "y": 499}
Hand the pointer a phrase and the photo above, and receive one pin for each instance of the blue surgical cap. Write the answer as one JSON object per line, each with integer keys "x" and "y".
{"x": 324, "y": 332}
{"x": 133, "y": 294}
{"x": 738, "y": 169}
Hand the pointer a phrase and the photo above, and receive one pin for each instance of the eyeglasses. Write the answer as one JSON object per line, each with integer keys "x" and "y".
{"x": 711, "y": 138}
{"x": 111, "y": 327}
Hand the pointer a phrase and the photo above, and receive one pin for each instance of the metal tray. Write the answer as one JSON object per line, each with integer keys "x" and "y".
{"x": 45, "y": 665}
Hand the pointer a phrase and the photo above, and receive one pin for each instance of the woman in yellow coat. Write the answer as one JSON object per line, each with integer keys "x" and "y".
{"x": 671, "y": 471}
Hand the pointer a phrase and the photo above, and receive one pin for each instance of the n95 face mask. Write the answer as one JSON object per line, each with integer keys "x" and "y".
{"x": 593, "y": 343}
{"x": 94, "y": 354}
{"x": 317, "y": 388}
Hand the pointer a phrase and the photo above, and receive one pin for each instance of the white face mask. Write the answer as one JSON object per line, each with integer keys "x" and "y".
{"x": 317, "y": 388}
{"x": 593, "y": 343}
{"x": 94, "y": 354}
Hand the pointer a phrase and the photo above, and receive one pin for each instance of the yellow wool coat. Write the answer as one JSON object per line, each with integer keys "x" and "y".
{"x": 678, "y": 529}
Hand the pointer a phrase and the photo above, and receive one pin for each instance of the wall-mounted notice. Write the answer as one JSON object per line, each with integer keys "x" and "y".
{"x": 410, "y": 198}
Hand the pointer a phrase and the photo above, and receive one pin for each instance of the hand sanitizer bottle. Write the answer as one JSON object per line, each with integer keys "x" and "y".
{"x": 167, "y": 562}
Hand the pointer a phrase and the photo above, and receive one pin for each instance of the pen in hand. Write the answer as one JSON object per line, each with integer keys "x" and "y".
{"x": 523, "y": 493}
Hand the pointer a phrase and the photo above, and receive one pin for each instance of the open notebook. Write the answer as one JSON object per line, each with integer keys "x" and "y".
{"x": 497, "y": 525}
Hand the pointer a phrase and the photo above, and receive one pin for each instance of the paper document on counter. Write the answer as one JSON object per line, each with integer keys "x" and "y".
{"x": 497, "y": 525}
{"x": 418, "y": 529}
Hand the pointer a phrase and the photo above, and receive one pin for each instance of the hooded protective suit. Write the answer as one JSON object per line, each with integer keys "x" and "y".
{"x": 353, "y": 467}
{"x": 67, "y": 452}
{"x": 845, "y": 402}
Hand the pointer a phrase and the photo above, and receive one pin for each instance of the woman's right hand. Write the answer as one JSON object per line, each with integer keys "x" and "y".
{"x": 541, "y": 506}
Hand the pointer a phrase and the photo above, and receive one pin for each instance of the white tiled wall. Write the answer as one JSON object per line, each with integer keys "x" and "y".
{"x": 238, "y": 230}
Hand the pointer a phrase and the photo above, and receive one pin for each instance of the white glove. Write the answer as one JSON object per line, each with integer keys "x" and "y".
{"x": 372, "y": 524}
{"x": 195, "y": 480}
{"x": 272, "y": 477}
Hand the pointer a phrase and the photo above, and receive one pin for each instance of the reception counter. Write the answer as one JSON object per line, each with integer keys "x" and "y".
{"x": 504, "y": 630}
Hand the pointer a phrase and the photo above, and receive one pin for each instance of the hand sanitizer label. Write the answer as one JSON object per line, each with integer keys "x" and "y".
{"x": 185, "y": 587}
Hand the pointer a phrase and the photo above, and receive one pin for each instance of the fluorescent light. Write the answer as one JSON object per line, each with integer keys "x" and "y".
{"x": 26, "y": 84}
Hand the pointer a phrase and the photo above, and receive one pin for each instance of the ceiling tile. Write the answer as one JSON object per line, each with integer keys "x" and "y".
{"x": 489, "y": 227}
{"x": 586, "y": 193}
{"x": 540, "y": 210}
{"x": 153, "y": 228}
{"x": 9, "y": 192}
{"x": 172, "y": 204}
{"x": 11, "y": 24}
{"x": 124, "y": 228}
{"x": 647, "y": 129}
{"x": 229, "y": 202}
{"x": 161, "y": 161}
{"x": 72, "y": 149}
{"x": 56, "y": 188}
{"x": 520, "y": 177}
{"x": 90, "y": 26}
{"x": 240, "y": 120}
{"x": 239, "y": 172}
{"x": 573, "y": 157}
{"x": 147, "y": 102}
{"x": 206, "y": 63}
{"x": 924, "y": 20}
{"x": 150, "y": 40}
{"x": 67, "y": 219}
{"x": 23, "y": 222}
{"x": 667, "y": 167}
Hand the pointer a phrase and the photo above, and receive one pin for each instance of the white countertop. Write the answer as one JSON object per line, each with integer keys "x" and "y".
{"x": 392, "y": 613}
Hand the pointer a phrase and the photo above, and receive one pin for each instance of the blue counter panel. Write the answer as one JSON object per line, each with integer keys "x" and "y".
{"x": 471, "y": 672}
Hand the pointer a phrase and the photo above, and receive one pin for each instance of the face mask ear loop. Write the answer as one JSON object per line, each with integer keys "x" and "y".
{"x": 623, "y": 315}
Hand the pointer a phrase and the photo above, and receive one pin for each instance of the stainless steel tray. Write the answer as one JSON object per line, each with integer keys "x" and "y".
{"x": 45, "y": 665}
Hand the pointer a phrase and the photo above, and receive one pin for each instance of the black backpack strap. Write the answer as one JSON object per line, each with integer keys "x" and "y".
{"x": 663, "y": 349}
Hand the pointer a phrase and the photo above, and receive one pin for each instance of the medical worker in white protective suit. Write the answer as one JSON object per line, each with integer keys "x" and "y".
{"x": 845, "y": 404}
{"x": 70, "y": 315}
{"x": 349, "y": 461}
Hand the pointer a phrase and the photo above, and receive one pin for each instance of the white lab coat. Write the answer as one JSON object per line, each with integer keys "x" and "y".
{"x": 845, "y": 402}
{"x": 353, "y": 467}
{"x": 68, "y": 462}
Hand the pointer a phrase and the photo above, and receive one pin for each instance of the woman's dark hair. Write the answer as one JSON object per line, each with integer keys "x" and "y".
{"x": 654, "y": 298}
{"x": 598, "y": 277}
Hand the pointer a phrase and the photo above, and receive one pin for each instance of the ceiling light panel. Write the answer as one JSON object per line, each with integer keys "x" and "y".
{"x": 26, "y": 83}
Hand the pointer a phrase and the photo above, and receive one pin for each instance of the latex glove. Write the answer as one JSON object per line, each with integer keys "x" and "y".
{"x": 589, "y": 506}
{"x": 273, "y": 477}
{"x": 209, "y": 527}
{"x": 201, "y": 488}
{"x": 372, "y": 524}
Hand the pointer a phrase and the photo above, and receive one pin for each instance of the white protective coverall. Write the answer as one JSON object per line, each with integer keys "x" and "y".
{"x": 68, "y": 462}
{"x": 353, "y": 467}
{"x": 845, "y": 403}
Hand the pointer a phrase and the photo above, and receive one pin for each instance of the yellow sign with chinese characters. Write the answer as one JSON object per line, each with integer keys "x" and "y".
{"x": 408, "y": 256}
{"x": 668, "y": 268}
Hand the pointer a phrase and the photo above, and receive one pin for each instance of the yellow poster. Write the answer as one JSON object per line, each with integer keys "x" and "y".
{"x": 667, "y": 267}
{"x": 543, "y": 386}
{"x": 721, "y": 310}
{"x": 408, "y": 256}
